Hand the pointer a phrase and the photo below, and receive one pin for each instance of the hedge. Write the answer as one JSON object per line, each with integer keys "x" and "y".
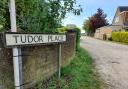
{"x": 120, "y": 37}
{"x": 78, "y": 32}
{"x": 68, "y": 30}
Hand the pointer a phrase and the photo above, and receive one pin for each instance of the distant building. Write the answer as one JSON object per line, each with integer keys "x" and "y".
{"x": 119, "y": 23}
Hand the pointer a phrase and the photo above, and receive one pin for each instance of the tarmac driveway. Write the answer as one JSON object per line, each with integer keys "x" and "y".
{"x": 111, "y": 61}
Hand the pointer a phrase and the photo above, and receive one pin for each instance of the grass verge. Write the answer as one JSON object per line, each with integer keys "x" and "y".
{"x": 79, "y": 74}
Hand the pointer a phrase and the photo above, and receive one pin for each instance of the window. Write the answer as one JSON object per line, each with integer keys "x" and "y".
{"x": 116, "y": 19}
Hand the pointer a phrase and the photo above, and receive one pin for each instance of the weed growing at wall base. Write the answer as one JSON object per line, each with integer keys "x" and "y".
{"x": 79, "y": 74}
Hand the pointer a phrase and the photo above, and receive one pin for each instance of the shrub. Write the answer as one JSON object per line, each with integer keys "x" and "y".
{"x": 62, "y": 30}
{"x": 68, "y": 30}
{"x": 120, "y": 37}
{"x": 78, "y": 35}
{"x": 38, "y": 15}
{"x": 110, "y": 38}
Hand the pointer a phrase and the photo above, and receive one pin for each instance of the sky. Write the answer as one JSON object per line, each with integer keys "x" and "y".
{"x": 90, "y": 7}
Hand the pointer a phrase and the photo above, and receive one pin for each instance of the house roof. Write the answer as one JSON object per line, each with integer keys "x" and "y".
{"x": 123, "y": 8}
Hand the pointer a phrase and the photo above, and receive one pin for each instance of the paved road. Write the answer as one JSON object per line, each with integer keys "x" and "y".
{"x": 111, "y": 61}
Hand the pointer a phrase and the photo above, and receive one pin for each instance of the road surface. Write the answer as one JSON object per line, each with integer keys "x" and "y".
{"x": 111, "y": 60}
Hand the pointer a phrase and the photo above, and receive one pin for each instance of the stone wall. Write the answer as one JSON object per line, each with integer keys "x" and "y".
{"x": 106, "y": 30}
{"x": 39, "y": 62}
{"x": 100, "y": 32}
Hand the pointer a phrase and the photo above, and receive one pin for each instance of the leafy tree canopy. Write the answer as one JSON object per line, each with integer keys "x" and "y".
{"x": 95, "y": 21}
{"x": 38, "y": 15}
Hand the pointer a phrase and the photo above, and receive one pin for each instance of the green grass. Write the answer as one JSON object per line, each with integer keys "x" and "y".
{"x": 79, "y": 74}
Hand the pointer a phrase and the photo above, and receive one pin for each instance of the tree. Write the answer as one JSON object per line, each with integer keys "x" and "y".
{"x": 96, "y": 21}
{"x": 87, "y": 26}
{"x": 38, "y": 15}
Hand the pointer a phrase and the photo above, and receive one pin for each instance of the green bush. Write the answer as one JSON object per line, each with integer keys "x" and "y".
{"x": 38, "y": 15}
{"x": 120, "y": 37}
{"x": 110, "y": 38}
{"x": 78, "y": 34}
{"x": 62, "y": 30}
{"x": 68, "y": 30}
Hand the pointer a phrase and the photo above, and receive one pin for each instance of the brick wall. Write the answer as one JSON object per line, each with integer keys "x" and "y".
{"x": 39, "y": 62}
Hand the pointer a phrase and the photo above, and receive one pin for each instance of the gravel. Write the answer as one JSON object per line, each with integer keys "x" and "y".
{"x": 111, "y": 60}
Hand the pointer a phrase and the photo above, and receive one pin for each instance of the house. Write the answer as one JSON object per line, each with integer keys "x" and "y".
{"x": 119, "y": 23}
{"x": 103, "y": 33}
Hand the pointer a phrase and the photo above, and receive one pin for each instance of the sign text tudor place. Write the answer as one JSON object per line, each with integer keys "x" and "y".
{"x": 13, "y": 39}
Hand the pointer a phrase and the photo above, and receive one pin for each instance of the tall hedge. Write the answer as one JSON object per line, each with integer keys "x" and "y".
{"x": 38, "y": 15}
{"x": 120, "y": 37}
{"x": 69, "y": 30}
{"x": 78, "y": 32}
